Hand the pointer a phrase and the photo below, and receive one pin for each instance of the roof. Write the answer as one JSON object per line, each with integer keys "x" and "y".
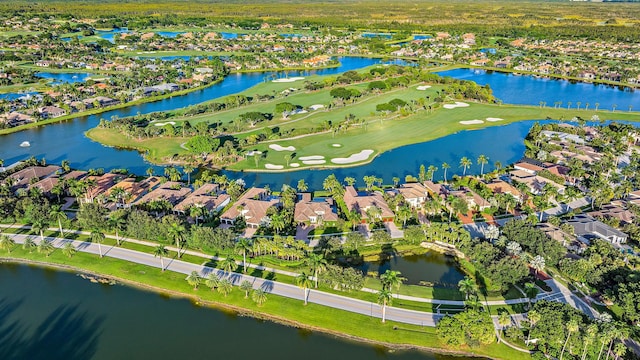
{"x": 46, "y": 184}
{"x": 103, "y": 183}
{"x": 205, "y": 196}
{"x": 413, "y": 191}
{"x": 24, "y": 176}
{"x": 527, "y": 167}
{"x": 362, "y": 202}
{"x": 503, "y": 187}
{"x": 171, "y": 191}
{"x": 253, "y": 205}
{"x": 134, "y": 188}
{"x": 616, "y": 212}
{"x": 307, "y": 208}
{"x": 436, "y": 189}
{"x": 586, "y": 225}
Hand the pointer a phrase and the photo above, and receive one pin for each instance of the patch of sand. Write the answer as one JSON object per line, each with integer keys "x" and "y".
{"x": 423, "y": 87}
{"x": 361, "y": 156}
{"x": 336, "y": 145}
{"x": 252, "y": 152}
{"x": 456, "y": 105}
{"x": 316, "y": 106}
{"x": 273, "y": 167}
{"x": 314, "y": 162}
{"x": 277, "y": 147}
{"x": 471, "y": 122}
{"x": 165, "y": 123}
{"x": 294, "y": 165}
{"x": 312, "y": 157}
{"x": 287, "y": 80}
{"x": 493, "y": 119}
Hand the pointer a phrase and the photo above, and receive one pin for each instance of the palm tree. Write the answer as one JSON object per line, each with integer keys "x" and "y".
{"x": 445, "y": 166}
{"x": 6, "y": 243}
{"x": 384, "y": 297}
{"x": 431, "y": 170}
{"x": 572, "y": 326}
{"x": 176, "y": 232}
{"x": 194, "y": 279}
{"x": 68, "y": 249}
{"x": 225, "y": 287}
{"x": 588, "y": 338}
{"x": 97, "y": 236}
{"x": 117, "y": 223}
{"x": 160, "y": 251}
{"x": 188, "y": 169}
{"x": 259, "y": 296}
{"x": 391, "y": 279}
{"x": 464, "y": 164}
{"x": 246, "y": 287}
{"x": 277, "y": 223}
{"x": 537, "y": 263}
{"x": 482, "y": 161}
{"x": 29, "y": 244}
{"x": 318, "y": 263}
{"x": 228, "y": 265}
{"x": 533, "y": 317}
{"x": 304, "y": 283}
{"x": 467, "y": 286}
{"x": 59, "y": 215}
{"x": 213, "y": 281}
{"x": 46, "y": 247}
{"x": 243, "y": 245}
{"x": 531, "y": 290}
{"x": 504, "y": 319}
{"x": 39, "y": 226}
{"x": 302, "y": 186}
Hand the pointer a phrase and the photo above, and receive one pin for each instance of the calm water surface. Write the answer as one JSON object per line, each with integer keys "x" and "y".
{"x": 46, "y": 314}
{"x": 437, "y": 269}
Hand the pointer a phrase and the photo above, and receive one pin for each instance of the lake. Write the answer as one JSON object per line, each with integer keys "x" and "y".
{"x": 48, "y": 314}
{"x": 66, "y": 77}
{"x": 432, "y": 267}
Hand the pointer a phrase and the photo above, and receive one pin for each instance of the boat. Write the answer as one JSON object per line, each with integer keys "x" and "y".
{"x": 25, "y": 144}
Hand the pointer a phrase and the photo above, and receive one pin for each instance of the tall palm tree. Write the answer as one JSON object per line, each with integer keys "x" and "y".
{"x": 304, "y": 283}
{"x": 384, "y": 297}
{"x": 213, "y": 281}
{"x": 98, "y": 237}
{"x": 531, "y": 290}
{"x": 7, "y": 243}
{"x": 404, "y": 212}
{"x": 39, "y": 226}
{"x": 431, "y": 170}
{"x": 59, "y": 215}
{"x": 242, "y": 246}
{"x": 225, "y": 287}
{"x": 46, "y": 247}
{"x": 197, "y": 211}
{"x": 464, "y": 164}
{"x": 445, "y": 166}
{"x": 318, "y": 263}
{"x": 302, "y": 186}
{"x": 277, "y": 223}
{"x": 229, "y": 265}
{"x": 482, "y": 161}
{"x": 68, "y": 249}
{"x": 176, "y": 232}
{"x": 160, "y": 251}
{"x": 391, "y": 279}
{"x": 117, "y": 223}
{"x": 467, "y": 286}
{"x": 188, "y": 169}
{"x": 194, "y": 279}
{"x": 572, "y": 326}
{"x": 537, "y": 263}
{"x": 589, "y": 337}
{"x": 246, "y": 287}
{"x": 259, "y": 296}
{"x": 533, "y": 317}
{"x": 29, "y": 244}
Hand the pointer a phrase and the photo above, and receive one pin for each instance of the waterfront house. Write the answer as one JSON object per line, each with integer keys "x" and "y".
{"x": 314, "y": 211}
{"x": 133, "y": 189}
{"x": 252, "y": 206}
{"x": 102, "y": 183}
{"x": 30, "y": 175}
{"x": 473, "y": 200}
{"x": 207, "y": 196}
{"x": 436, "y": 190}
{"x": 502, "y": 187}
{"x": 415, "y": 194}
{"x": 172, "y": 192}
{"x": 362, "y": 202}
{"x": 47, "y": 112}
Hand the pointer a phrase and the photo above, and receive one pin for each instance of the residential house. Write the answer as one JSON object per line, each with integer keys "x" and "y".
{"x": 252, "y": 206}
{"x": 314, "y": 211}
{"x": 503, "y": 187}
{"x": 362, "y": 202}
{"x": 133, "y": 189}
{"x": 32, "y": 174}
{"x": 172, "y": 192}
{"x": 436, "y": 190}
{"x": 102, "y": 183}
{"x": 51, "y": 112}
{"x": 587, "y": 228}
{"x": 611, "y": 211}
{"x": 568, "y": 240}
{"x": 206, "y": 196}
{"x": 473, "y": 200}
{"x": 415, "y": 194}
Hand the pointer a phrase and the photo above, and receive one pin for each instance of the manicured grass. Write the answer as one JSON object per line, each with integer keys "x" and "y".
{"x": 156, "y": 149}
{"x": 426, "y": 292}
{"x": 323, "y": 318}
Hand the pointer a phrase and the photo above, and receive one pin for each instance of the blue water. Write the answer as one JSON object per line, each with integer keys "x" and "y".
{"x": 377, "y": 35}
{"x": 13, "y": 96}
{"x": 61, "y": 78}
{"x": 228, "y": 36}
{"x": 488, "y": 50}
{"x": 422, "y": 37}
{"x": 290, "y": 35}
{"x": 169, "y": 34}
{"x": 530, "y": 90}
{"x": 110, "y": 35}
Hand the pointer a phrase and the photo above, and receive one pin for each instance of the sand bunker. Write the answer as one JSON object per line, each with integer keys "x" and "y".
{"x": 336, "y": 145}
{"x": 423, "y": 87}
{"x": 316, "y": 106}
{"x": 277, "y": 147}
{"x": 294, "y": 165}
{"x": 492, "y": 119}
{"x": 312, "y": 157}
{"x": 361, "y": 156}
{"x": 253, "y": 152}
{"x": 273, "y": 167}
{"x": 314, "y": 162}
{"x": 471, "y": 122}
{"x": 287, "y": 80}
{"x": 165, "y": 123}
{"x": 456, "y": 105}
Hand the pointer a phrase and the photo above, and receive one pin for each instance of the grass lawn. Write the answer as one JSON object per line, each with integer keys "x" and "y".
{"x": 315, "y": 316}
{"x": 156, "y": 149}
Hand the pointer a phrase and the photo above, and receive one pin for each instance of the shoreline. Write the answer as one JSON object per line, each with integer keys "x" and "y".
{"x": 234, "y": 308}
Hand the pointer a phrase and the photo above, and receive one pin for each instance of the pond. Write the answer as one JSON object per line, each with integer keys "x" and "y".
{"x": 430, "y": 269}
{"x": 56, "y": 315}
{"x": 66, "y": 77}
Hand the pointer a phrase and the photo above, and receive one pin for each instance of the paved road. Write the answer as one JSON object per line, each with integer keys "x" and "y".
{"x": 286, "y": 290}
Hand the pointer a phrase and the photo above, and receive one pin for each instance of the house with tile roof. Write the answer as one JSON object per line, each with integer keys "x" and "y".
{"x": 314, "y": 211}
{"x": 363, "y": 201}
